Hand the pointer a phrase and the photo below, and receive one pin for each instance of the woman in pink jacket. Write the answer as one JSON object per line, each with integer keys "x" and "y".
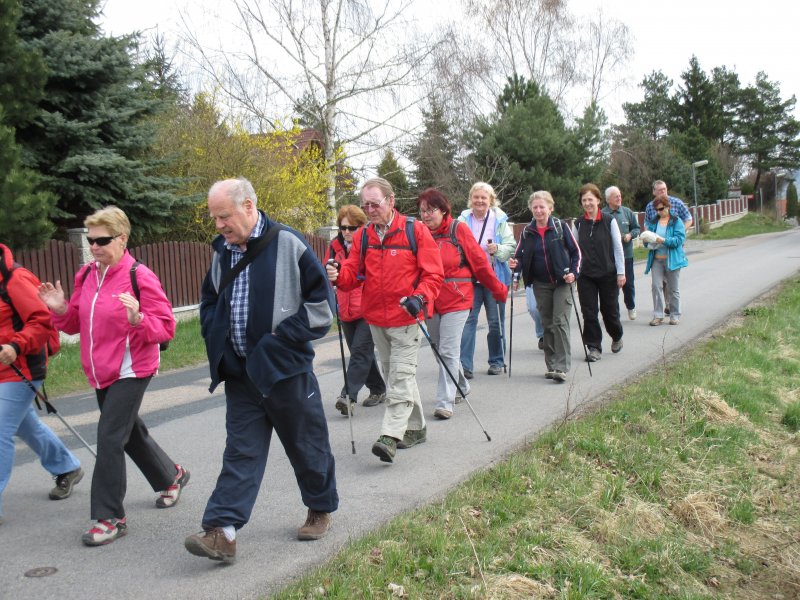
{"x": 120, "y": 334}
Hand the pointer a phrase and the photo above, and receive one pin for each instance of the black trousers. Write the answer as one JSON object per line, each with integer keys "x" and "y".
{"x": 120, "y": 431}
{"x": 604, "y": 289}
{"x": 629, "y": 290}
{"x": 362, "y": 367}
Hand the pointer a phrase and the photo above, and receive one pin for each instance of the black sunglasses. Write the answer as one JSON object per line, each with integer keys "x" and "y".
{"x": 348, "y": 227}
{"x": 101, "y": 241}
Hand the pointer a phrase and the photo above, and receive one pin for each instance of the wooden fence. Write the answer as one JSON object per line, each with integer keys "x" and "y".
{"x": 180, "y": 266}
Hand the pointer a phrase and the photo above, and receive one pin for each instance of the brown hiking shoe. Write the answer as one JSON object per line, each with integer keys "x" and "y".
{"x": 212, "y": 544}
{"x": 315, "y": 527}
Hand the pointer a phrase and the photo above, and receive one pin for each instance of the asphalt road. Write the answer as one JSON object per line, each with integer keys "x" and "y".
{"x": 188, "y": 422}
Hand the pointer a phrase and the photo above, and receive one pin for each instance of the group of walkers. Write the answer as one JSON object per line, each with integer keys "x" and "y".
{"x": 389, "y": 278}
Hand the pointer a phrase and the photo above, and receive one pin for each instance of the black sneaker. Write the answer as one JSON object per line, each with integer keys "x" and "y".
{"x": 64, "y": 484}
{"x": 468, "y": 374}
{"x": 541, "y": 343}
{"x": 385, "y": 448}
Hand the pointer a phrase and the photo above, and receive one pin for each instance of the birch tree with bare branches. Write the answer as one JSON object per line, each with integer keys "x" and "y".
{"x": 351, "y": 64}
{"x": 532, "y": 38}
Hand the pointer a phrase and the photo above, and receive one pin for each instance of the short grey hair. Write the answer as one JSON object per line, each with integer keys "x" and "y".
{"x": 610, "y": 190}
{"x": 658, "y": 182}
{"x": 238, "y": 190}
{"x": 382, "y": 184}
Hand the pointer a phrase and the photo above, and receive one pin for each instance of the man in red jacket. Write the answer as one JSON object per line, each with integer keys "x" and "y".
{"x": 399, "y": 281}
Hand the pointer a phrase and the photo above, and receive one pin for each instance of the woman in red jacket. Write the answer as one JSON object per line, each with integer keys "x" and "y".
{"x": 24, "y": 331}
{"x": 464, "y": 263}
{"x": 362, "y": 368}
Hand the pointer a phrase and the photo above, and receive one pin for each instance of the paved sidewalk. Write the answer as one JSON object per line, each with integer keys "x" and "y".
{"x": 151, "y": 561}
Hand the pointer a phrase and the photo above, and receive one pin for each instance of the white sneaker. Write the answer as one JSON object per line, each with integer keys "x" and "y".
{"x": 631, "y": 314}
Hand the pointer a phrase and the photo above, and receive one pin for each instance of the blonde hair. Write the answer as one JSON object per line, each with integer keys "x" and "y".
{"x": 112, "y": 218}
{"x": 484, "y": 187}
{"x": 542, "y": 195}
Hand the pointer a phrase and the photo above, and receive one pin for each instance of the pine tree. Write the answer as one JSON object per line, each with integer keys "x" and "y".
{"x": 526, "y": 147}
{"x": 24, "y": 211}
{"x": 435, "y": 157}
{"x": 391, "y": 171}
{"x": 90, "y": 137}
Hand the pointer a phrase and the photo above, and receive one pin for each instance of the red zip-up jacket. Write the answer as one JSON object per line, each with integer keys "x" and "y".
{"x": 392, "y": 271}
{"x": 30, "y": 341}
{"x": 457, "y": 290}
{"x": 349, "y": 301}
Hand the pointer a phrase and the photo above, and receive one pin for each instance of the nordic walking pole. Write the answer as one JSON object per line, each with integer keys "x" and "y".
{"x": 514, "y": 281}
{"x": 51, "y": 410}
{"x": 344, "y": 368}
{"x": 580, "y": 329}
{"x": 450, "y": 373}
{"x": 502, "y": 337}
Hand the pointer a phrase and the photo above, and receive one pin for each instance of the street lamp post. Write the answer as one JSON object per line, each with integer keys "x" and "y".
{"x": 696, "y": 165}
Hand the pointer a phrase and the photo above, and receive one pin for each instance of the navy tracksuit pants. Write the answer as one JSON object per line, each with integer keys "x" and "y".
{"x": 294, "y": 411}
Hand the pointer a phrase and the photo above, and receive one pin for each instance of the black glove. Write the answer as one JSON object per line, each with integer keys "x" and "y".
{"x": 412, "y": 304}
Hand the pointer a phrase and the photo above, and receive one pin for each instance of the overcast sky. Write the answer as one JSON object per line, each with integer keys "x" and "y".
{"x": 746, "y": 36}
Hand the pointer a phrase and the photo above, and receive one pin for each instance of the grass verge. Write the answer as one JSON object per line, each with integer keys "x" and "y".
{"x": 684, "y": 486}
{"x": 750, "y": 224}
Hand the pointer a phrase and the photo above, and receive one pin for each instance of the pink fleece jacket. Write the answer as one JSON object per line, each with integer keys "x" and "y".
{"x": 110, "y": 345}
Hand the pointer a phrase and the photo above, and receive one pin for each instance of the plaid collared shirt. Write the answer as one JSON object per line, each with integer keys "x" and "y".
{"x": 239, "y": 294}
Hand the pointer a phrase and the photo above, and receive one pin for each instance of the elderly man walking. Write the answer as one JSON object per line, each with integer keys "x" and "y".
{"x": 629, "y": 230}
{"x": 399, "y": 263}
{"x": 264, "y": 299}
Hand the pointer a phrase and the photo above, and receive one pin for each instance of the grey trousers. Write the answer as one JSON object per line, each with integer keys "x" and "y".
{"x": 445, "y": 331}
{"x": 555, "y": 306}
{"x": 660, "y": 273}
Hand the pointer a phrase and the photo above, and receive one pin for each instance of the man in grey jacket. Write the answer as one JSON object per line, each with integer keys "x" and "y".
{"x": 629, "y": 230}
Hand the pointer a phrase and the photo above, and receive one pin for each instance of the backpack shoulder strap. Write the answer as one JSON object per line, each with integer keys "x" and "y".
{"x": 558, "y": 227}
{"x": 134, "y": 282}
{"x": 454, "y": 241}
{"x": 250, "y": 255}
{"x": 412, "y": 239}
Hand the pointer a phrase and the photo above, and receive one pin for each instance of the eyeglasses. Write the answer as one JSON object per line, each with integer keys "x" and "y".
{"x": 660, "y": 208}
{"x": 368, "y": 206}
{"x": 348, "y": 227}
{"x": 101, "y": 241}
{"x": 427, "y": 211}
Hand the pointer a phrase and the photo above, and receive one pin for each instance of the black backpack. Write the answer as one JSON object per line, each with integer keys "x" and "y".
{"x": 412, "y": 244}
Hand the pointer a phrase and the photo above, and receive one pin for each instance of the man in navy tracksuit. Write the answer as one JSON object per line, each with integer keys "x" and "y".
{"x": 258, "y": 330}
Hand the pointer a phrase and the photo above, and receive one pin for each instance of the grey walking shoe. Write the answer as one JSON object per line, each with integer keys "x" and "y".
{"x": 616, "y": 346}
{"x": 373, "y": 400}
{"x": 341, "y": 406}
{"x": 593, "y": 355}
{"x": 412, "y": 437}
{"x": 494, "y": 370}
{"x": 559, "y": 376}
{"x": 64, "y": 484}
{"x": 385, "y": 448}
{"x": 442, "y": 413}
